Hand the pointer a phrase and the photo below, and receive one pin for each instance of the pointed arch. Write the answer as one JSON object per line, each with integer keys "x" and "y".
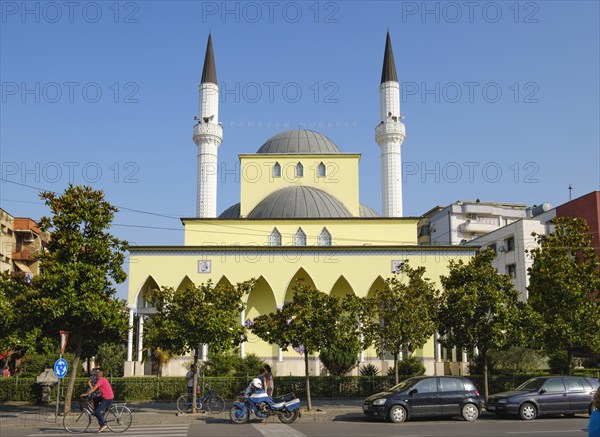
{"x": 224, "y": 281}
{"x": 341, "y": 288}
{"x": 185, "y": 283}
{"x": 275, "y": 238}
{"x": 378, "y": 284}
{"x": 261, "y": 300}
{"x": 300, "y": 275}
{"x": 141, "y": 300}
{"x": 324, "y": 238}
{"x": 277, "y": 170}
{"x": 300, "y": 238}
{"x": 299, "y": 170}
{"x": 321, "y": 170}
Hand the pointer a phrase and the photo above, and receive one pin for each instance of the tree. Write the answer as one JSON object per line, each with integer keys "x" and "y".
{"x": 404, "y": 314}
{"x": 111, "y": 357}
{"x": 307, "y": 324}
{"x": 83, "y": 262}
{"x": 564, "y": 289}
{"x": 18, "y": 334}
{"x": 204, "y": 314}
{"x": 479, "y": 308}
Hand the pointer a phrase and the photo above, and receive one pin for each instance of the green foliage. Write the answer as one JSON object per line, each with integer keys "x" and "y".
{"x": 403, "y": 315}
{"x": 563, "y": 289}
{"x": 230, "y": 364}
{"x": 339, "y": 360}
{"x": 479, "y": 308}
{"x": 409, "y": 367}
{"x": 368, "y": 370}
{"x": 517, "y": 360}
{"x": 559, "y": 363}
{"x": 111, "y": 357}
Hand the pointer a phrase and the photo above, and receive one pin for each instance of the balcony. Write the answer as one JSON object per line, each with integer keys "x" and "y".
{"x": 24, "y": 255}
{"x": 477, "y": 227}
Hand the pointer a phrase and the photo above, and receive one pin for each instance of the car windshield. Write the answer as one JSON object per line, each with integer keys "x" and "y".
{"x": 532, "y": 384}
{"x": 404, "y": 384}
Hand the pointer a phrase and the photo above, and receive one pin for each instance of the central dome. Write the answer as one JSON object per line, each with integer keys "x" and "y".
{"x": 299, "y": 141}
{"x": 299, "y": 202}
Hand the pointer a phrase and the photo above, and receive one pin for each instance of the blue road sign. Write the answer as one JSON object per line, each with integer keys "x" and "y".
{"x": 61, "y": 367}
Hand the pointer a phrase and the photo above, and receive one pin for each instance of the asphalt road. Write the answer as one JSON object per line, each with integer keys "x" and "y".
{"x": 347, "y": 425}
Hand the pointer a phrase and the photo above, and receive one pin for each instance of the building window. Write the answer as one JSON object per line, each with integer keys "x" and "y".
{"x": 299, "y": 170}
{"x": 277, "y": 170}
{"x": 275, "y": 238}
{"x": 321, "y": 170}
{"x": 300, "y": 238}
{"x": 493, "y": 247}
{"x": 511, "y": 270}
{"x": 324, "y": 238}
{"x": 509, "y": 244}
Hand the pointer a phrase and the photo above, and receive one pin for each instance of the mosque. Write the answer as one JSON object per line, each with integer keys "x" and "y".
{"x": 299, "y": 216}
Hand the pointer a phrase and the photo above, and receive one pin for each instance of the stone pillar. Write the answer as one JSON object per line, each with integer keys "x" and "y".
{"x": 140, "y": 337}
{"x": 130, "y": 334}
{"x": 243, "y": 344}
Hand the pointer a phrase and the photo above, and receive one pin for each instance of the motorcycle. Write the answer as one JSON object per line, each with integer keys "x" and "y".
{"x": 286, "y": 407}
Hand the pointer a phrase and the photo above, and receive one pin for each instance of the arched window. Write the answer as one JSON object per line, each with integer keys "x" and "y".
{"x": 299, "y": 170}
{"x": 277, "y": 170}
{"x": 324, "y": 238}
{"x": 321, "y": 170}
{"x": 300, "y": 238}
{"x": 275, "y": 238}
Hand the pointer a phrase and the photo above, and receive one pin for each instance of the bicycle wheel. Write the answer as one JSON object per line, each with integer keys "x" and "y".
{"x": 182, "y": 404}
{"x": 77, "y": 422}
{"x": 119, "y": 418}
{"x": 215, "y": 404}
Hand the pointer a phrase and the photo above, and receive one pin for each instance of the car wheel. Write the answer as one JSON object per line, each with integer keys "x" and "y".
{"x": 527, "y": 411}
{"x": 470, "y": 412}
{"x": 397, "y": 414}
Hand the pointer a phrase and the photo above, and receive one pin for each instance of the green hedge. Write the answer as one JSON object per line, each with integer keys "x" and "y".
{"x": 169, "y": 388}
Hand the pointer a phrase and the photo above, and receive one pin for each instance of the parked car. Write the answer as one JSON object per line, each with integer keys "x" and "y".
{"x": 426, "y": 396}
{"x": 566, "y": 395}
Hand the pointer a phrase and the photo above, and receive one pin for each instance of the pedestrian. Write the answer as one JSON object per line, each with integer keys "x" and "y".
{"x": 190, "y": 376}
{"x": 269, "y": 384}
{"x": 107, "y": 398}
{"x": 261, "y": 376}
{"x": 594, "y": 425}
{"x": 96, "y": 396}
{"x": 6, "y": 372}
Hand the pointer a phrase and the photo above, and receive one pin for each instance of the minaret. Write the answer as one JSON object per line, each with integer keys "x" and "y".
{"x": 208, "y": 135}
{"x": 390, "y": 134}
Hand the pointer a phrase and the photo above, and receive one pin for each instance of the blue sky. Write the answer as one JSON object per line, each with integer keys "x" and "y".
{"x": 501, "y": 99}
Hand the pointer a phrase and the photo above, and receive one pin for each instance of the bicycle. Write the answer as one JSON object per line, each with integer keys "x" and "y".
{"x": 214, "y": 403}
{"x": 117, "y": 416}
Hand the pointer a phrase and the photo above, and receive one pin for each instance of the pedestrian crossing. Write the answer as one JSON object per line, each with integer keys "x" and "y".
{"x": 171, "y": 430}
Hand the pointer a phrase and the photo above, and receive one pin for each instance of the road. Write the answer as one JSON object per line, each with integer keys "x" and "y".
{"x": 347, "y": 425}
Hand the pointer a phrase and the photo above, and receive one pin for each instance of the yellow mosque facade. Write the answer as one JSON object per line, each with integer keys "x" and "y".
{"x": 299, "y": 217}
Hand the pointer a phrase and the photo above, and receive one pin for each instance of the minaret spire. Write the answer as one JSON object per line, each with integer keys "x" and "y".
{"x": 390, "y": 134}
{"x": 388, "y": 73}
{"x": 208, "y": 136}
{"x": 209, "y": 72}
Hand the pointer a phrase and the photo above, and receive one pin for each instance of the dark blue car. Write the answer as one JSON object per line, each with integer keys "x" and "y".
{"x": 426, "y": 396}
{"x": 566, "y": 395}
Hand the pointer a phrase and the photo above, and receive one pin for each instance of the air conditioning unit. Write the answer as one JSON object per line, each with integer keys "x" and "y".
{"x": 29, "y": 239}
{"x": 501, "y": 248}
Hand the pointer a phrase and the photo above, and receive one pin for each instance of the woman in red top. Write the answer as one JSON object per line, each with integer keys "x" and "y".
{"x": 107, "y": 397}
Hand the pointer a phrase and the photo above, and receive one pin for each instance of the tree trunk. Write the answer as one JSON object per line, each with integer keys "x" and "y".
{"x": 195, "y": 382}
{"x": 484, "y": 356}
{"x": 396, "y": 367}
{"x": 306, "y": 376}
{"x": 72, "y": 377}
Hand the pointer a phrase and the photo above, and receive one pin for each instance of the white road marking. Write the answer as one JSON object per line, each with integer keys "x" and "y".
{"x": 277, "y": 430}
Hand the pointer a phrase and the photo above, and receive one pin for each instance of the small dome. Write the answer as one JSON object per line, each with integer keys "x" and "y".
{"x": 233, "y": 212}
{"x": 299, "y": 141}
{"x": 299, "y": 202}
{"x": 366, "y": 211}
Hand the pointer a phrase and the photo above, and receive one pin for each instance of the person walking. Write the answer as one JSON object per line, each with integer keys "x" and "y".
{"x": 190, "y": 376}
{"x": 269, "y": 384}
{"x": 107, "y": 398}
{"x": 594, "y": 425}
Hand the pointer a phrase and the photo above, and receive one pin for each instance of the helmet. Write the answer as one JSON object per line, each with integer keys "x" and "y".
{"x": 257, "y": 383}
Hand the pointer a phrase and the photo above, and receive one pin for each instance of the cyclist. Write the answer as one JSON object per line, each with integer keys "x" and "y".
{"x": 96, "y": 396}
{"x": 107, "y": 397}
{"x": 190, "y": 376}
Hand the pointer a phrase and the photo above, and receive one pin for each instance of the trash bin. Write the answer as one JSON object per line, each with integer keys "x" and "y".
{"x": 46, "y": 380}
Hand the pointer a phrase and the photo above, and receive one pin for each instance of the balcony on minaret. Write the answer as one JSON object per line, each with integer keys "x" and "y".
{"x": 208, "y": 129}
{"x": 390, "y": 130}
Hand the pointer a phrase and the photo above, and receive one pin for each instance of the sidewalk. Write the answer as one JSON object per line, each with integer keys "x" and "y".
{"x": 323, "y": 410}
